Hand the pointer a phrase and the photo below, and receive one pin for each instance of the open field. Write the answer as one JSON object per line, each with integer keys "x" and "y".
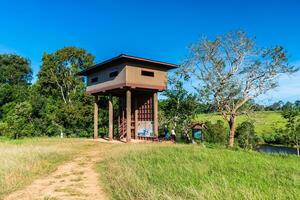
{"x": 194, "y": 172}
{"x": 22, "y": 161}
{"x": 142, "y": 171}
{"x": 265, "y": 122}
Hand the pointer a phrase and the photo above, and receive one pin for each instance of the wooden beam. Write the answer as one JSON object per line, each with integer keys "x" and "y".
{"x": 96, "y": 110}
{"x": 128, "y": 116}
{"x": 155, "y": 114}
{"x": 110, "y": 118}
{"x": 136, "y": 112}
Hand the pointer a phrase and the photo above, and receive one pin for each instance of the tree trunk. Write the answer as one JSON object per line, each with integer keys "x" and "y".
{"x": 298, "y": 150}
{"x": 231, "y": 123}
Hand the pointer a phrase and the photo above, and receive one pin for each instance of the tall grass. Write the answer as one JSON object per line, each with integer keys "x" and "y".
{"x": 21, "y": 161}
{"x": 192, "y": 172}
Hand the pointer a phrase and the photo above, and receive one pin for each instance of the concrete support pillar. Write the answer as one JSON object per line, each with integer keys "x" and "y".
{"x": 155, "y": 114}
{"x": 128, "y": 116}
{"x": 136, "y": 112}
{"x": 96, "y": 110}
{"x": 110, "y": 118}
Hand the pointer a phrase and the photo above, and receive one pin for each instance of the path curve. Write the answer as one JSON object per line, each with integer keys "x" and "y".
{"x": 76, "y": 179}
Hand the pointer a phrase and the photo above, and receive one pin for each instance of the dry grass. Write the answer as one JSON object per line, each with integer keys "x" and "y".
{"x": 24, "y": 160}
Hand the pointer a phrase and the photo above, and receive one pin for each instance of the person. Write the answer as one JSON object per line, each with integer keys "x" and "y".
{"x": 173, "y": 135}
{"x": 166, "y": 132}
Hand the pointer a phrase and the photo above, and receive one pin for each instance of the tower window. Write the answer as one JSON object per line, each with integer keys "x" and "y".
{"x": 94, "y": 80}
{"x": 113, "y": 74}
{"x": 147, "y": 73}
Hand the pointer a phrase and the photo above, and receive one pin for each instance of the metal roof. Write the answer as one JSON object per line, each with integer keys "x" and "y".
{"x": 123, "y": 58}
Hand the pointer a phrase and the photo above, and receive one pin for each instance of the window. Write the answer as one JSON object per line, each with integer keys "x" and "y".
{"x": 113, "y": 74}
{"x": 94, "y": 80}
{"x": 147, "y": 73}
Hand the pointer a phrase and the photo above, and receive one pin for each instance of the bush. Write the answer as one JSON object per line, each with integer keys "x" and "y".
{"x": 246, "y": 136}
{"x": 19, "y": 121}
{"x": 215, "y": 133}
{"x": 277, "y": 137}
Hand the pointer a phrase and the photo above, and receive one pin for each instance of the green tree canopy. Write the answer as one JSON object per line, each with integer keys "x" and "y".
{"x": 15, "y": 70}
{"x": 57, "y": 77}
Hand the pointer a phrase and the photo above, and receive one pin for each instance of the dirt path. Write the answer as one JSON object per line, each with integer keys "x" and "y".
{"x": 74, "y": 180}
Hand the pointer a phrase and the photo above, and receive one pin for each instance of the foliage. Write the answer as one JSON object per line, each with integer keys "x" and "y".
{"x": 215, "y": 132}
{"x": 179, "y": 107}
{"x": 20, "y": 121}
{"x": 291, "y": 113}
{"x": 57, "y": 77}
{"x": 231, "y": 70}
{"x": 55, "y": 104}
{"x": 265, "y": 122}
{"x": 246, "y": 136}
{"x": 15, "y": 79}
{"x": 15, "y": 70}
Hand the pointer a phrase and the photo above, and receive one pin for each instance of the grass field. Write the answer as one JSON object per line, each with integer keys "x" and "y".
{"x": 157, "y": 171}
{"x": 265, "y": 122}
{"x": 21, "y": 161}
{"x": 194, "y": 172}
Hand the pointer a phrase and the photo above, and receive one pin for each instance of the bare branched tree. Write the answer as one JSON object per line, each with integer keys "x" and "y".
{"x": 231, "y": 70}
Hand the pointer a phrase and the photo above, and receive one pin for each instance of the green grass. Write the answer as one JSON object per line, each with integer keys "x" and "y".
{"x": 265, "y": 122}
{"x": 22, "y": 161}
{"x": 194, "y": 172}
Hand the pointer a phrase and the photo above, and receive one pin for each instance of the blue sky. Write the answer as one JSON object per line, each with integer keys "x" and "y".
{"x": 160, "y": 30}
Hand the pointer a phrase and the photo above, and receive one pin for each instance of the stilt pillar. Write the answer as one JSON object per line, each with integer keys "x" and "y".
{"x": 110, "y": 118}
{"x": 128, "y": 116}
{"x": 136, "y": 112}
{"x": 96, "y": 110}
{"x": 155, "y": 114}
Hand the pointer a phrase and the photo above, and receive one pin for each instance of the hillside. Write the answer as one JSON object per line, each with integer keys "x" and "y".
{"x": 265, "y": 122}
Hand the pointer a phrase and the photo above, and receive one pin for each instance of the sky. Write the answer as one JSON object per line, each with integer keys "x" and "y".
{"x": 159, "y": 30}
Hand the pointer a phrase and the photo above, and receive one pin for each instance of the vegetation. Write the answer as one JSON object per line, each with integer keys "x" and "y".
{"x": 265, "y": 122}
{"x": 56, "y": 104}
{"x": 292, "y": 129}
{"x": 215, "y": 132}
{"x": 246, "y": 137}
{"x": 21, "y": 161}
{"x": 178, "y": 109}
{"x": 231, "y": 70}
{"x": 193, "y": 172}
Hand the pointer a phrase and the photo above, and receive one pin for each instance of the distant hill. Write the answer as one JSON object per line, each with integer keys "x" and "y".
{"x": 264, "y": 121}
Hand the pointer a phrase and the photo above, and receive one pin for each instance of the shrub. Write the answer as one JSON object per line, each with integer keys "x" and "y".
{"x": 246, "y": 136}
{"x": 19, "y": 121}
{"x": 215, "y": 133}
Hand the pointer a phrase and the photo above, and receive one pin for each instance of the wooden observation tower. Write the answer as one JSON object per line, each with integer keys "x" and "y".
{"x": 135, "y": 81}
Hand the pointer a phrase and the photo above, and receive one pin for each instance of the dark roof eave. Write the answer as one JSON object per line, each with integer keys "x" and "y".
{"x": 122, "y": 59}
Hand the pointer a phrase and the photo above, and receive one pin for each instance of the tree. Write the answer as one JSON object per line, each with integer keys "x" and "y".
{"x": 66, "y": 106}
{"x": 231, "y": 70}
{"x": 20, "y": 121}
{"x": 291, "y": 113}
{"x": 15, "y": 78}
{"x": 246, "y": 136}
{"x": 15, "y": 70}
{"x": 57, "y": 77}
{"x": 275, "y": 106}
{"x": 179, "y": 107}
